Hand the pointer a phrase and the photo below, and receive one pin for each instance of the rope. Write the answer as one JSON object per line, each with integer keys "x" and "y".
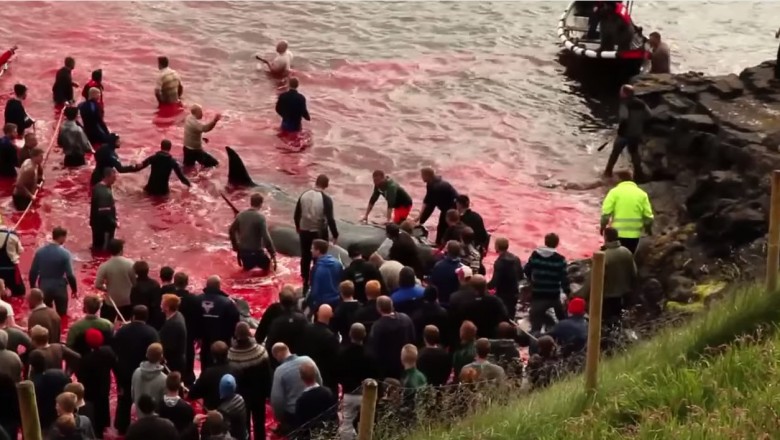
{"x": 52, "y": 142}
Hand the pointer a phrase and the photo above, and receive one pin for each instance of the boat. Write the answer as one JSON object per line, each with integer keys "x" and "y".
{"x": 578, "y": 45}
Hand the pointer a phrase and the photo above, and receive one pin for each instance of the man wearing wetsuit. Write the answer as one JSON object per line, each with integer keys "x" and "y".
{"x": 62, "y": 90}
{"x": 102, "y": 214}
{"x": 72, "y": 139}
{"x": 291, "y": 106}
{"x": 250, "y": 238}
{"x": 92, "y": 118}
{"x": 162, "y": 164}
{"x": 106, "y": 157}
{"x": 474, "y": 221}
{"x": 439, "y": 194}
{"x": 9, "y": 157}
{"x": 95, "y": 82}
{"x": 313, "y": 217}
{"x": 399, "y": 204}
{"x": 30, "y": 176}
{"x": 193, "y": 138}
{"x": 15, "y": 112}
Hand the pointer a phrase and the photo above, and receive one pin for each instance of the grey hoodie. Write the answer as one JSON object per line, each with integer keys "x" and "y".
{"x": 148, "y": 379}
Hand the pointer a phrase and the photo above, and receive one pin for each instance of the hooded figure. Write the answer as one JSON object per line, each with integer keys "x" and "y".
{"x": 106, "y": 157}
{"x": 325, "y": 279}
{"x": 232, "y": 407}
{"x": 95, "y": 82}
{"x": 149, "y": 378}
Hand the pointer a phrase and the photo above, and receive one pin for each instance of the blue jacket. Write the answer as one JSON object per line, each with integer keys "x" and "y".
{"x": 571, "y": 334}
{"x": 325, "y": 279}
{"x": 404, "y": 294}
{"x": 444, "y": 278}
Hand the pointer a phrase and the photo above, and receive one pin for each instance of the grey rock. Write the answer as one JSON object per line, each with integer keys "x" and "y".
{"x": 703, "y": 123}
{"x": 728, "y": 87}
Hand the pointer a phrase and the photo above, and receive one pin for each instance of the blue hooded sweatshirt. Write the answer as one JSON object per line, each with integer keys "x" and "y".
{"x": 325, "y": 279}
{"x": 227, "y": 386}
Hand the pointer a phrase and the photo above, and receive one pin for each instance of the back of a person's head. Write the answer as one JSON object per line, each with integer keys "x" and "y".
{"x": 141, "y": 268}
{"x": 39, "y": 335}
{"x": 506, "y": 331}
{"x": 76, "y": 388}
{"x": 173, "y": 381}
{"x": 322, "y": 181}
{"x": 347, "y": 289}
{"x": 431, "y": 294}
{"x": 37, "y": 361}
{"x": 482, "y": 347}
{"x": 213, "y": 425}
{"x": 308, "y": 372}
{"x": 453, "y": 216}
{"x": 453, "y": 249}
{"x": 66, "y": 425}
{"x": 392, "y": 230}
{"x": 353, "y": 250}
{"x": 546, "y": 346}
{"x": 180, "y": 280}
{"x": 71, "y": 113}
{"x": 287, "y": 297}
{"x": 68, "y": 402}
{"x": 610, "y": 234}
{"x": 166, "y": 274}
{"x": 242, "y": 333}
{"x": 409, "y": 354}
{"x": 357, "y": 333}
{"x": 140, "y": 313}
{"x": 145, "y": 404}
{"x": 468, "y": 331}
{"x": 322, "y": 246}
{"x": 479, "y": 284}
{"x": 406, "y": 277}
{"x": 116, "y": 246}
{"x": 384, "y": 305}
{"x": 92, "y": 304}
{"x": 431, "y": 335}
{"x": 154, "y": 353}
{"x": 373, "y": 289}
{"x": 551, "y": 240}
{"x": 219, "y": 350}
{"x": 171, "y": 302}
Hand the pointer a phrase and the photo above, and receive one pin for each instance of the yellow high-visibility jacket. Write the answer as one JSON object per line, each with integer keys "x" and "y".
{"x": 629, "y": 208}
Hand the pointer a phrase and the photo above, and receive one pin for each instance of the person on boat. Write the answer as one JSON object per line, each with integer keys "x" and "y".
{"x": 399, "y": 204}
{"x": 92, "y": 118}
{"x": 72, "y": 139}
{"x": 6, "y": 56}
{"x": 9, "y": 156}
{"x": 169, "y": 88}
{"x": 633, "y": 115}
{"x": 193, "y": 138}
{"x": 62, "y": 90}
{"x": 250, "y": 238}
{"x": 282, "y": 63}
{"x": 660, "y": 60}
{"x": 627, "y": 208}
{"x": 291, "y": 106}
{"x": 96, "y": 81}
{"x": 10, "y": 251}
{"x": 617, "y": 28}
{"x": 102, "y": 212}
{"x": 15, "y": 112}
{"x": 439, "y": 194}
{"x": 106, "y": 157}
{"x": 30, "y": 176}
{"x": 162, "y": 164}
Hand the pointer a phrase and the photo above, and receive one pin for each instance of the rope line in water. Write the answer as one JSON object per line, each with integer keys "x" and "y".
{"x": 52, "y": 142}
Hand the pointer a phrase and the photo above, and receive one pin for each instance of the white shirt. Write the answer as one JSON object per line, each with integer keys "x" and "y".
{"x": 8, "y": 308}
{"x": 282, "y": 62}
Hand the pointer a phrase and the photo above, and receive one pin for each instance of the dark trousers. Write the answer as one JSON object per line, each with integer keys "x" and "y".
{"x": 629, "y": 243}
{"x": 124, "y": 403}
{"x": 510, "y": 302}
{"x": 13, "y": 280}
{"x": 441, "y": 228}
{"x": 255, "y": 416}
{"x": 57, "y": 298}
{"x": 777, "y": 65}
{"x": 21, "y": 202}
{"x": 633, "y": 149}
{"x": 306, "y": 238}
{"x": 612, "y": 311}
{"x": 102, "y": 414}
{"x": 191, "y": 157}
{"x": 101, "y": 236}
{"x": 538, "y": 313}
{"x": 108, "y": 312}
{"x": 254, "y": 259}
{"x": 74, "y": 160}
{"x": 188, "y": 375}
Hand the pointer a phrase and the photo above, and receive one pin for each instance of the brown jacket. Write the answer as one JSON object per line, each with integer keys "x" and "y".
{"x": 620, "y": 274}
{"x": 56, "y": 353}
{"x": 49, "y": 319}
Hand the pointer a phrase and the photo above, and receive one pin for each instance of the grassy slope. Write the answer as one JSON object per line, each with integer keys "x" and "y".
{"x": 684, "y": 384}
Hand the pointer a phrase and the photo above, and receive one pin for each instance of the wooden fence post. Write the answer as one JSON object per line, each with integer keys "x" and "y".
{"x": 31, "y": 425}
{"x": 367, "y": 410}
{"x": 594, "y": 323}
{"x": 773, "y": 248}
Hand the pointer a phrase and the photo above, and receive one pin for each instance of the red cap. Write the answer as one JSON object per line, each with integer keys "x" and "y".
{"x": 577, "y": 306}
{"x": 94, "y": 338}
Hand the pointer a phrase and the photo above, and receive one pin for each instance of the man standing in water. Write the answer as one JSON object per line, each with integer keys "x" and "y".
{"x": 162, "y": 164}
{"x": 633, "y": 114}
{"x": 439, "y": 194}
{"x": 399, "y": 204}
{"x": 15, "y": 112}
{"x": 169, "y": 88}
{"x": 313, "y": 217}
{"x": 291, "y": 106}
{"x": 102, "y": 215}
{"x": 282, "y": 63}
{"x": 250, "y": 238}
{"x": 30, "y": 177}
{"x": 193, "y": 138}
{"x": 62, "y": 90}
{"x": 660, "y": 60}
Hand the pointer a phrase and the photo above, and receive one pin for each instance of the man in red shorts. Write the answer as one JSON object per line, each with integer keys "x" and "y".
{"x": 399, "y": 204}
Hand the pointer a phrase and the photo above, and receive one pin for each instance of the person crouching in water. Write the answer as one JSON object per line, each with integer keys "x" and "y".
{"x": 30, "y": 176}
{"x": 250, "y": 238}
{"x": 162, "y": 164}
{"x": 72, "y": 139}
{"x": 193, "y": 138}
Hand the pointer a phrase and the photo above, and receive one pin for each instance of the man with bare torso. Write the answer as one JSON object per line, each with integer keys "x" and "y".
{"x": 30, "y": 176}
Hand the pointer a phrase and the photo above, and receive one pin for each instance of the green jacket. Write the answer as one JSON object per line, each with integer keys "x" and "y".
{"x": 414, "y": 378}
{"x": 81, "y": 326}
{"x": 462, "y": 357}
{"x": 620, "y": 274}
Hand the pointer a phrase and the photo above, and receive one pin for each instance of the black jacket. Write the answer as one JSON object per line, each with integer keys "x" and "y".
{"x": 130, "y": 344}
{"x": 343, "y": 318}
{"x": 322, "y": 346}
{"x": 92, "y": 119}
{"x": 388, "y": 336}
{"x": 178, "y": 411}
{"x": 147, "y": 292}
{"x": 438, "y": 194}
{"x": 367, "y": 315}
{"x": 152, "y": 427}
{"x": 317, "y": 409}
{"x": 9, "y": 157}
{"x": 219, "y": 316}
{"x": 273, "y": 311}
{"x": 207, "y": 385}
{"x": 354, "y": 365}
{"x": 62, "y": 90}
{"x": 190, "y": 309}
{"x": 288, "y": 328}
{"x": 486, "y": 312}
{"x": 173, "y": 336}
{"x": 17, "y": 115}
{"x": 507, "y": 273}
{"x": 48, "y": 385}
{"x": 475, "y": 222}
{"x": 106, "y": 157}
{"x": 95, "y": 368}
{"x": 291, "y": 106}
{"x": 431, "y": 313}
{"x": 360, "y": 272}
{"x": 102, "y": 209}
{"x": 404, "y": 250}
{"x": 162, "y": 164}
{"x": 436, "y": 364}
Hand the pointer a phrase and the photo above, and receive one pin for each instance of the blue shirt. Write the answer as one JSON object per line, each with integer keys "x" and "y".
{"x": 404, "y": 294}
{"x": 53, "y": 265}
{"x": 288, "y": 386}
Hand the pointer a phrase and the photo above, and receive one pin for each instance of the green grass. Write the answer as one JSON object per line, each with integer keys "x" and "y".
{"x": 718, "y": 377}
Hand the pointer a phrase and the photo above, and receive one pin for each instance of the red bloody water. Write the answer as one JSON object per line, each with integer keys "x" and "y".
{"x": 396, "y": 110}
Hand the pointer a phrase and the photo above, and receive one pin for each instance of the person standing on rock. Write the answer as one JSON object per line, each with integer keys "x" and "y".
{"x": 633, "y": 114}
{"x": 660, "y": 60}
{"x": 627, "y": 207}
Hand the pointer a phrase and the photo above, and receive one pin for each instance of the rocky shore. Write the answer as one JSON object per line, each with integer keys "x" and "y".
{"x": 709, "y": 152}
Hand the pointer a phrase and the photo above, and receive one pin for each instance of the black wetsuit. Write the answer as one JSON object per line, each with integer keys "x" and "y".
{"x": 162, "y": 164}
{"x": 439, "y": 194}
{"x": 62, "y": 90}
{"x": 92, "y": 119}
{"x": 106, "y": 157}
{"x": 102, "y": 216}
{"x": 9, "y": 159}
{"x": 17, "y": 115}
{"x": 291, "y": 106}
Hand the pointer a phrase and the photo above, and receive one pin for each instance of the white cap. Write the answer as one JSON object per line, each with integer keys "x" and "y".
{"x": 464, "y": 272}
